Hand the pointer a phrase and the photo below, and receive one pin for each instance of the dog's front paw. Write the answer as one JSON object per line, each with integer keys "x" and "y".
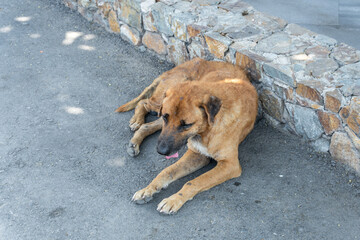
{"x": 134, "y": 126}
{"x": 135, "y": 123}
{"x": 133, "y": 149}
{"x": 171, "y": 204}
{"x": 144, "y": 195}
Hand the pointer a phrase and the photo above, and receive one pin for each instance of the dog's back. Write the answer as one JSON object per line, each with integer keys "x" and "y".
{"x": 195, "y": 70}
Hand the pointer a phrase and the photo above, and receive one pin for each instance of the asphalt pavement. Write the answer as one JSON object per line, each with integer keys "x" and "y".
{"x": 338, "y": 19}
{"x": 65, "y": 173}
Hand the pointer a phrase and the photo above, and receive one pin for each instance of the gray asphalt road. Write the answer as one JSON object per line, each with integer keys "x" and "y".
{"x": 65, "y": 173}
{"x": 334, "y": 18}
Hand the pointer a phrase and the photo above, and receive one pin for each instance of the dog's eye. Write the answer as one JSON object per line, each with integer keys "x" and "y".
{"x": 165, "y": 117}
{"x": 184, "y": 125}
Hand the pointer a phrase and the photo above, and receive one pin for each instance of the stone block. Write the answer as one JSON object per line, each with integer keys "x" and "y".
{"x": 196, "y": 49}
{"x": 251, "y": 62}
{"x": 298, "y": 62}
{"x": 278, "y": 43}
{"x": 345, "y": 54}
{"x": 226, "y": 20}
{"x": 297, "y": 67}
{"x": 296, "y": 30}
{"x": 349, "y": 71}
{"x": 307, "y": 103}
{"x": 113, "y": 22}
{"x": 104, "y": 8}
{"x": 166, "y": 38}
{"x": 205, "y": 2}
{"x": 347, "y": 78}
{"x": 169, "y": 2}
{"x": 289, "y": 94}
{"x": 306, "y": 121}
{"x": 87, "y": 3}
{"x": 311, "y": 90}
{"x": 240, "y": 45}
{"x": 179, "y": 25}
{"x": 194, "y": 30}
{"x": 184, "y": 6}
{"x": 281, "y": 60}
{"x": 217, "y": 44}
{"x": 333, "y": 100}
{"x": 87, "y": 13}
{"x": 325, "y": 40}
{"x": 177, "y": 52}
{"x": 266, "y": 81}
{"x": 321, "y": 67}
{"x": 208, "y": 15}
{"x": 243, "y": 33}
{"x": 344, "y": 113}
{"x": 117, "y": 5}
{"x": 154, "y": 42}
{"x": 162, "y": 17}
{"x": 271, "y": 104}
{"x": 270, "y": 56}
{"x": 343, "y": 150}
{"x": 282, "y": 73}
{"x": 271, "y": 121}
{"x": 318, "y": 51}
{"x": 354, "y": 139}
{"x": 130, "y": 34}
{"x": 229, "y": 58}
{"x": 101, "y": 3}
{"x": 321, "y": 145}
{"x": 353, "y": 119}
{"x": 130, "y": 16}
{"x": 350, "y": 87}
{"x": 236, "y": 6}
{"x": 71, "y": 4}
{"x": 146, "y": 5}
{"x": 280, "y": 89}
{"x": 209, "y": 21}
{"x": 269, "y": 23}
{"x": 329, "y": 121}
{"x": 98, "y": 18}
{"x": 148, "y": 21}
{"x": 134, "y": 4}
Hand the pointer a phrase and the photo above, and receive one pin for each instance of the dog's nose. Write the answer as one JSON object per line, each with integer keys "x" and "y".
{"x": 163, "y": 148}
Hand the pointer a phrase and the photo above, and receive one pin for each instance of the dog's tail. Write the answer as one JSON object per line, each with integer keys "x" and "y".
{"x": 147, "y": 93}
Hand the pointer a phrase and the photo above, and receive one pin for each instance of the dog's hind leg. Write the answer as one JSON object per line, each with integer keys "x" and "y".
{"x": 144, "y": 131}
{"x": 139, "y": 116}
{"x": 189, "y": 163}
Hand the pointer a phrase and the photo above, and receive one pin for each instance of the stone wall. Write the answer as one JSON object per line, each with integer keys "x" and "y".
{"x": 309, "y": 84}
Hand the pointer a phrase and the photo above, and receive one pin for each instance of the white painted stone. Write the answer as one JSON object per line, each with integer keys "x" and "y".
{"x": 146, "y": 5}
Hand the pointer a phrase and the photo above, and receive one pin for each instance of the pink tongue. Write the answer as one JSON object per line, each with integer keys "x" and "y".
{"x": 175, "y": 155}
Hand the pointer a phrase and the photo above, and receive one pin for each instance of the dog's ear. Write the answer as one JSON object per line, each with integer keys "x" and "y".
{"x": 160, "y": 109}
{"x": 211, "y": 105}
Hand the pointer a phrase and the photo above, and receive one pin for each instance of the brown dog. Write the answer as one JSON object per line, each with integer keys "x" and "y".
{"x": 151, "y": 98}
{"x": 210, "y": 105}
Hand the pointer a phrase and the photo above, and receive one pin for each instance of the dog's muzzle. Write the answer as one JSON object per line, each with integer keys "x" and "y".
{"x": 164, "y": 147}
{"x": 167, "y": 144}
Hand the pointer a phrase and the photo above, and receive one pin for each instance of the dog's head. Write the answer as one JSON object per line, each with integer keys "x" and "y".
{"x": 186, "y": 111}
